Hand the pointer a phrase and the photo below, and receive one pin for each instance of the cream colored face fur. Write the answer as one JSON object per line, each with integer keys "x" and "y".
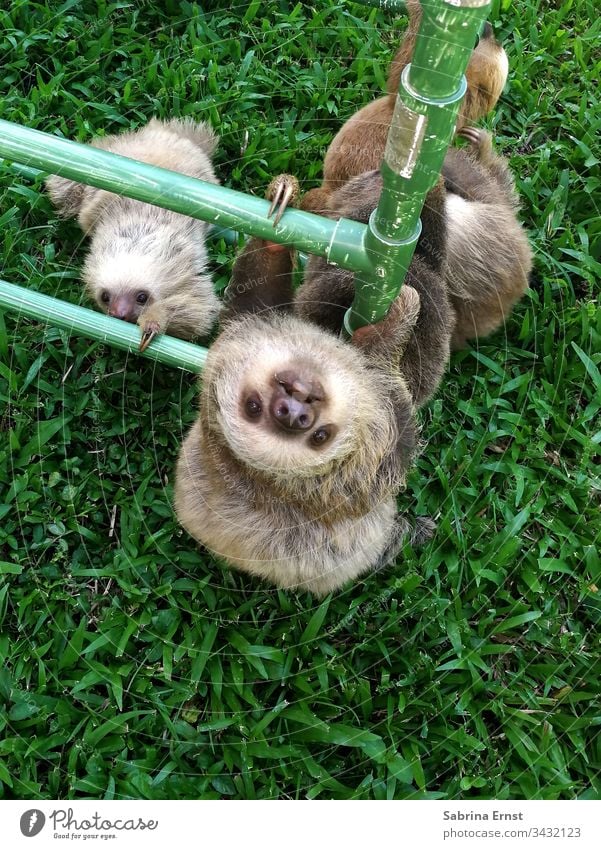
{"x": 145, "y": 263}
{"x": 140, "y": 249}
{"x": 251, "y": 367}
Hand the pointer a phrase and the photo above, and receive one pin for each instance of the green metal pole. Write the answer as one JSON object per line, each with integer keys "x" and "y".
{"x": 430, "y": 92}
{"x": 341, "y": 242}
{"x": 96, "y": 325}
{"x": 230, "y": 237}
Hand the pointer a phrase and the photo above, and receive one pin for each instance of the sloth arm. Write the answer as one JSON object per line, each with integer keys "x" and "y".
{"x": 261, "y": 279}
{"x": 415, "y": 335}
{"x": 424, "y": 358}
{"x": 184, "y": 314}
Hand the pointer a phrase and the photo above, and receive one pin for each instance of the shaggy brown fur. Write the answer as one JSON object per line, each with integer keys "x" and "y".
{"x": 263, "y": 279}
{"x": 489, "y": 258}
{"x": 359, "y": 145}
{"x": 307, "y": 499}
{"x": 276, "y": 502}
{"x": 486, "y": 262}
{"x": 146, "y": 264}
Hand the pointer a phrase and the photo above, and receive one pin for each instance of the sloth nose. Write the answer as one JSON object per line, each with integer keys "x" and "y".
{"x": 290, "y": 413}
{"x": 295, "y": 401}
{"x": 301, "y": 388}
{"x": 123, "y": 307}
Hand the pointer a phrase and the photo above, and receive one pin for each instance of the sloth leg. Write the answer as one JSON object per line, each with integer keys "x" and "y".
{"x": 417, "y": 534}
{"x": 481, "y": 150}
{"x": 262, "y": 273}
{"x": 388, "y": 338}
{"x": 480, "y": 141}
{"x": 261, "y": 279}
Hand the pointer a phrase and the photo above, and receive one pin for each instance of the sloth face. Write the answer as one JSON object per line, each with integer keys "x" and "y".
{"x": 288, "y": 402}
{"x": 138, "y": 255}
{"x": 293, "y": 417}
{"x": 123, "y": 284}
{"x": 126, "y": 274}
{"x": 124, "y": 302}
{"x": 290, "y": 406}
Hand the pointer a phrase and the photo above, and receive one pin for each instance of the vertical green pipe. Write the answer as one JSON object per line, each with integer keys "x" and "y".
{"x": 430, "y": 93}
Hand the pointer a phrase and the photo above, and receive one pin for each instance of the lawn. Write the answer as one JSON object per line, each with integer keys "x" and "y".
{"x": 131, "y": 664}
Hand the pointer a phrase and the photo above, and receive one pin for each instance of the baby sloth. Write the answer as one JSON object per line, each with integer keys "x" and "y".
{"x": 146, "y": 264}
{"x": 303, "y": 440}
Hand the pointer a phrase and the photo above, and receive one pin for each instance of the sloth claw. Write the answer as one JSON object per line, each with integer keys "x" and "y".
{"x": 470, "y": 134}
{"x": 479, "y": 139}
{"x": 282, "y": 191}
{"x": 149, "y": 331}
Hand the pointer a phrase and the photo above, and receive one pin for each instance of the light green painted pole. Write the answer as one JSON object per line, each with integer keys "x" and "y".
{"x": 229, "y": 236}
{"x": 430, "y": 92}
{"x": 341, "y": 242}
{"x": 103, "y": 328}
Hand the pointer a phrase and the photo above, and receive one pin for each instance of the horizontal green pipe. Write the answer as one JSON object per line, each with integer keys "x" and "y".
{"x": 340, "y": 241}
{"x": 230, "y": 237}
{"x": 103, "y": 328}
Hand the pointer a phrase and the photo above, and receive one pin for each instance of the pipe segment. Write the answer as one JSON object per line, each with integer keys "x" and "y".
{"x": 95, "y": 325}
{"x": 340, "y": 242}
{"x": 430, "y": 92}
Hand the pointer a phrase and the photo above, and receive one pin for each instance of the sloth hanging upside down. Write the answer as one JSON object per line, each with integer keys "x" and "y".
{"x": 303, "y": 441}
{"x": 145, "y": 264}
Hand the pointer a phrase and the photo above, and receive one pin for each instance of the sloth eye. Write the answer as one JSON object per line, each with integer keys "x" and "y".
{"x": 105, "y": 297}
{"x": 253, "y": 407}
{"x": 142, "y": 297}
{"x": 320, "y": 436}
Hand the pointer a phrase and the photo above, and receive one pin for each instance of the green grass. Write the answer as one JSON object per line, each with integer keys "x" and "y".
{"x": 133, "y": 666}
